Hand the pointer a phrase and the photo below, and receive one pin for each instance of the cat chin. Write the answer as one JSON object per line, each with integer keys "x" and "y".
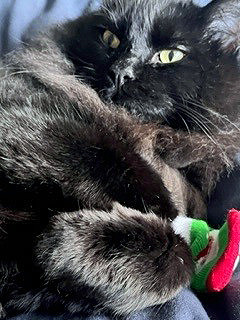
{"x": 129, "y": 259}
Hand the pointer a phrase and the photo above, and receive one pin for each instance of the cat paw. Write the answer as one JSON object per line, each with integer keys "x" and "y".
{"x": 134, "y": 260}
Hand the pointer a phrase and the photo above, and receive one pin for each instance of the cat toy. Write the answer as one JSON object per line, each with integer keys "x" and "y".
{"x": 215, "y": 252}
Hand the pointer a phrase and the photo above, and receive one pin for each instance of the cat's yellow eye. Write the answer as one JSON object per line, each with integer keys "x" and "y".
{"x": 168, "y": 56}
{"x": 111, "y": 39}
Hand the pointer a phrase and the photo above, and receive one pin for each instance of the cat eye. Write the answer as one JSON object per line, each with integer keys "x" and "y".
{"x": 168, "y": 56}
{"x": 111, "y": 39}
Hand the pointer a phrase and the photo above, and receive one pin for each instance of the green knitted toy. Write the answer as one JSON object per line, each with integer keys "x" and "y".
{"x": 215, "y": 252}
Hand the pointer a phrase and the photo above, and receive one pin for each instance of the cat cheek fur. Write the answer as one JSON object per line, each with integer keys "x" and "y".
{"x": 133, "y": 260}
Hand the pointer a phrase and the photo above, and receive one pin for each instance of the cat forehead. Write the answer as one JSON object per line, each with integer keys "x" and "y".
{"x": 123, "y": 5}
{"x": 138, "y": 16}
{"x": 118, "y": 9}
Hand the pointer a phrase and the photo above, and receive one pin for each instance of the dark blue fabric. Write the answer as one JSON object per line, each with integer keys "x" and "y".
{"x": 225, "y": 197}
{"x": 185, "y": 306}
{"x": 18, "y": 17}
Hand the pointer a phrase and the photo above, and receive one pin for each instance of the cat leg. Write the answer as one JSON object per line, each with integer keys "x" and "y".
{"x": 93, "y": 162}
{"x": 120, "y": 260}
{"x": 198, "y": 157}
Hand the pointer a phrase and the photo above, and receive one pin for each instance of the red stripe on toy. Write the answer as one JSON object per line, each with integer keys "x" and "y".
{"x": 222, "y": 272}
{"x": 205, "y": 251}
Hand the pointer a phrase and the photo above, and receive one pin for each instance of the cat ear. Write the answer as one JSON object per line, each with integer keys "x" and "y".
{"x": 223, "y": 23}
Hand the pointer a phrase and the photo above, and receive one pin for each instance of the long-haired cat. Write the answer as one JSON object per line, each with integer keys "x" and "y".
{"x": 134, "y": 106}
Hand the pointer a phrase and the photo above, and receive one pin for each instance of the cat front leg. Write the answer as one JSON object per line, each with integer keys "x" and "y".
{"x": 202, "y": 159}
{"x": 119, "y": 260}
{"x": 48, "y": 157}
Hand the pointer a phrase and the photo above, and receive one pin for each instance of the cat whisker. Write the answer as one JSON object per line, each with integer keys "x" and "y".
{"x": 165, "y": 118}
{"x": 198, "y": 114}
{"x": 185, "y": 123}
{"x": 102, "y": 91}
{"x": 88, "y": 77}
{"x": 224, "y": 118}
{"x": 192, "y": 101}
{"x": 144, "y": 205}
{"x": 84, "y": 62}
{"x": 198, "y": 122}
{"x": 15, "y": 73}
{"x": 89, "y": 68}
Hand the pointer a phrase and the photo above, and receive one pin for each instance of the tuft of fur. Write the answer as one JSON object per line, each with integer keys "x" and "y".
{"x": 224, "y": 25}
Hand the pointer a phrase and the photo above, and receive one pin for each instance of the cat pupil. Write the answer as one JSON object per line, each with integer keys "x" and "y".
{"x": 110, "y": 39}
{"x": 171, "y": 55}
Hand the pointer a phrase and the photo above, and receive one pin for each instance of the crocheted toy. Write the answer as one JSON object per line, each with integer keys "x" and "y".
{"x": 215, "y": 252}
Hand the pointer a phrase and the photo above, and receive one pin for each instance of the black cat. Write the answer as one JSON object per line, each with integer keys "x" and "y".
{"x": 134, "y": 106}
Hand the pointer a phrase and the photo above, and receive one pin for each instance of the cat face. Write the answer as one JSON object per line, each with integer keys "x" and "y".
{"x": 166, "y": 61}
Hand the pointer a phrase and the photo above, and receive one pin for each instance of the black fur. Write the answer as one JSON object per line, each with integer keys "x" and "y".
{"x": 76, "y": 142}
{"x": 206, "y": 80}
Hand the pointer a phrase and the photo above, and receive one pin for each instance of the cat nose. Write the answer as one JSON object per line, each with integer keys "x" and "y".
{"x": 121, "y": 76}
